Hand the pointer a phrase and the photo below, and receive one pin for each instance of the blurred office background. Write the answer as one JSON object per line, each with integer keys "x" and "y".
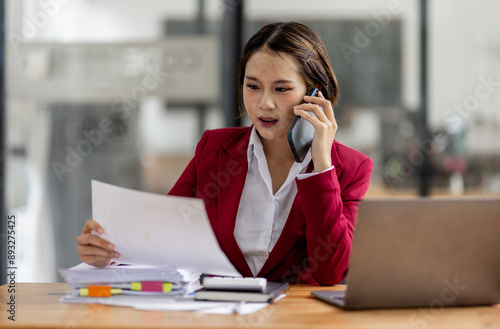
{"x": 121, "y": 90}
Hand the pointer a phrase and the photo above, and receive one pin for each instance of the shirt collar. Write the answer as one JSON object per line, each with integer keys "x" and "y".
{"x": 254, "y": 146}
{"x": 255, "y": 149}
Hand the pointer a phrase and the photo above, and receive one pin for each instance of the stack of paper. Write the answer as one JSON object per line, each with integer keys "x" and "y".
{"x": 87, "y": 282}
{"x": 180, "y": 298}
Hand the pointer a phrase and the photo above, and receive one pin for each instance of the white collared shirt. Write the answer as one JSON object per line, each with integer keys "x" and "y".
{"x": 262, "y": 215}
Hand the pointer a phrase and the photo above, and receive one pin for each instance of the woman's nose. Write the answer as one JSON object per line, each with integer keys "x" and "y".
{"x": 267, "y": 102}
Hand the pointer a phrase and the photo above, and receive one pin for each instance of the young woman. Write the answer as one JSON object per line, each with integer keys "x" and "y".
{"x": 272, "y": 216}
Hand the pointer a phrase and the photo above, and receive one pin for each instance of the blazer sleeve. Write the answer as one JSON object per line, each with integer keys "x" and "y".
{"x": 331, "y": 205}
{"x": 186, "y": 184}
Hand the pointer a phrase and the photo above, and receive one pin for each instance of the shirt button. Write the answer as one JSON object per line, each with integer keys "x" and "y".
{"x": 266, "y": 233}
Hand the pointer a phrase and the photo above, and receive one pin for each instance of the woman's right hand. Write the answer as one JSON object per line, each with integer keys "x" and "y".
{"x": 93, "y": 249}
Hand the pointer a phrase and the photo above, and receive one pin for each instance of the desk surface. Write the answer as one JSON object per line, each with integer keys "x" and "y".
{"x": 38, "y": 306}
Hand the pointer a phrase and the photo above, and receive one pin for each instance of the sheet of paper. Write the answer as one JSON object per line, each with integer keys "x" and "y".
{"x": 203, "y": 307}
{"x": 165, "y": 304}
{"x": 152, "y": 229}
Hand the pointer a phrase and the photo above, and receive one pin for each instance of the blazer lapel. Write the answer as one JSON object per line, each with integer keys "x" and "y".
{"x": 295, "y": 224}
{"x": 232, "y": 171}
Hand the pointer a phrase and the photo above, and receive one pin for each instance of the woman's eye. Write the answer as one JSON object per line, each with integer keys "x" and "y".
{"x": 252, "y": 87}
{"x": 283, "y": 89}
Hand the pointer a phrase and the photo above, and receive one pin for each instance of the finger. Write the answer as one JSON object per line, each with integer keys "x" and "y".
{"x": 96, "y": 260}
{"x": 322, "y": 126}
{"x": 89, "y": 251}
{"x": 318, "y": 95}
{"x": 314, "y": 108}
{"x": 330, "y": 113}
{"x": 94, "y": 240}
{"x": 323, "y": 102}
{"x": 306, "y": 115}
{"x": 92, "y": 225}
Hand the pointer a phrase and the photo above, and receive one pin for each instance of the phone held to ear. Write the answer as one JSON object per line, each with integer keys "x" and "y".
{"x": 301, "y": 133}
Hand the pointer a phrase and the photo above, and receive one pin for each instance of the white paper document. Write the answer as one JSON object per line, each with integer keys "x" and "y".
{"x": 152, "y": 229}
{"x": 165, "y": 304}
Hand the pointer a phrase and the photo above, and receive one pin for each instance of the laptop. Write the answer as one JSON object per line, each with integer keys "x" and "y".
{"x": 423, "y": 252}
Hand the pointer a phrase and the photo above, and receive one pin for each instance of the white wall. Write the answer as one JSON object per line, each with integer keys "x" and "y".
{"x": 465, "y": 71}
{"x": 104, "y": 21}
{"x": 465, "y": 47}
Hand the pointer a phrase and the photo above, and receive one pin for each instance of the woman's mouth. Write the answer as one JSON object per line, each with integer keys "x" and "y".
{"x": 267, "y": 122}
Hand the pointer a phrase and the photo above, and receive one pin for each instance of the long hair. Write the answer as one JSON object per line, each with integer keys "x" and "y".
{"x": 303, "y": 44}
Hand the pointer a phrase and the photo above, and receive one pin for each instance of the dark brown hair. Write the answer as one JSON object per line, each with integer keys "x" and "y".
{"x": 303, "y": 44}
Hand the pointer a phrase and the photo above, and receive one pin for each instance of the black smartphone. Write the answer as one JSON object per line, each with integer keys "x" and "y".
{"x": 301, "y": 133}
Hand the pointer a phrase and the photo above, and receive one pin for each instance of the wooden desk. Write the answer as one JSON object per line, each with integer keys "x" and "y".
{"x": 38, "y": 306}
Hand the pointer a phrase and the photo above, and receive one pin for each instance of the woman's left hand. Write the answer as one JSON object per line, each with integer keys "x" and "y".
{"x": 325, "y": 128}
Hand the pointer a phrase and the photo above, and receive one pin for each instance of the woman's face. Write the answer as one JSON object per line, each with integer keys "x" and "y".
{"x": 272, "y": 86}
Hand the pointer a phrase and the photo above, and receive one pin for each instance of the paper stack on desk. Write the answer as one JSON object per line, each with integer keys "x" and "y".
{"x": 112, "y": 277}
{"x": 99, "y": 282}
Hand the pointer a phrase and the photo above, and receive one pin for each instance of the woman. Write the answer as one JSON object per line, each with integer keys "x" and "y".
{"x": 272, "y": 216}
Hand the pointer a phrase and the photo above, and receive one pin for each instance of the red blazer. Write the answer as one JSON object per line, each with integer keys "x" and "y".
{"x": 315, "y": 244}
